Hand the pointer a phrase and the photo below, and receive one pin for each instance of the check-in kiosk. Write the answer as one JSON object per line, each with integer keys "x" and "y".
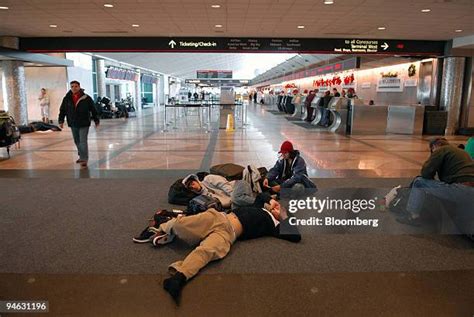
{"x": 367, "y": 119}
{"x": 299, "y": 106}
{"x": 338, "y": 108}
{"x": 317, "y": 105}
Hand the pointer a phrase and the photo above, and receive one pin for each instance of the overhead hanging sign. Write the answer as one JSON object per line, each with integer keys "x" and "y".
{"x": 214, "y": 74}
{"x": 228, "y": 45}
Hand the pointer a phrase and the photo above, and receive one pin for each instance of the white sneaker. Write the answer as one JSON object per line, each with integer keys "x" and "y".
{"x": 162, "y": 238}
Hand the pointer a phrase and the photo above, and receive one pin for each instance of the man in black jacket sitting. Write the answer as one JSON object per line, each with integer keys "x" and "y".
{"x": 215, "y": 232}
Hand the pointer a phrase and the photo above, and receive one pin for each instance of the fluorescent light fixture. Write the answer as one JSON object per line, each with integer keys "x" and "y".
{"x": 216, "y": 6}
{"x": 328, "y": 1}
{"x": 458, "y": 31}
{"x": 136, "y": 25}
{"x": 4, "y": 8}
{"x": 300, "y": 26}
{"x": 108, "y": 5}
{"x": 53, "y": 26}
{"x": 218, "y": 25}
{"x": 381, "y": 28}
{"x": 425, "y": 10}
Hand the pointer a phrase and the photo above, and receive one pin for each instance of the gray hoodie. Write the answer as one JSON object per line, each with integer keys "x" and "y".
{"x": 214, "y": 186}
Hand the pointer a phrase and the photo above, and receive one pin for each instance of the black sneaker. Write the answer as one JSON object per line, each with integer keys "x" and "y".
{"x": 174, "y": 285}
{"x": 409, "y": 220}
{"x": 145, "y": 236}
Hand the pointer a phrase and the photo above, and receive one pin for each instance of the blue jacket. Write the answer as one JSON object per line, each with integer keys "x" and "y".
{"x": 298, "y": 173}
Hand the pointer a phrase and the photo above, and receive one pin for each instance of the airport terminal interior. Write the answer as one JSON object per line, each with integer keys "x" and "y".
{"x": 360, "y": 92}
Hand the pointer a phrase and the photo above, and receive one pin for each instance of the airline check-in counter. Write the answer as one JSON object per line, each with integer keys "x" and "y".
{"x": 396, "y": 119}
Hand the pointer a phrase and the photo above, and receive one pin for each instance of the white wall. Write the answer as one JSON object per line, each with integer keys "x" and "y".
{"x": 56, "y": 84}
{"x": 82, "y": 71}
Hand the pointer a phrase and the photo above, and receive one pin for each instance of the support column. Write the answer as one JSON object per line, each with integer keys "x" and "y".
{"x": 451, "y": 91}
{"x": 101, "y": 78}
{"x": 162, "y": 90}
{"x": 14, "y": 91}
{"x": 138, "y": 91}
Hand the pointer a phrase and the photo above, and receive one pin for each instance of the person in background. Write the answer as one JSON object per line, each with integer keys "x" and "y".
{"x": 78, "y": 108}
{"x": 343, "y": 93}
{"x": 351, "y": 93}
{"x": 371, "y": 103}
{"x": 288, "y": 172}
{"x": 325, "y": 111}
{"x": 195, "y": 96}
{"x": 307, "y": 103}
{"x": 335, "y": 92}
{"x": 44, "y": 105}
{"x": 455, "y": 171}
{"x": 255, "y": 97}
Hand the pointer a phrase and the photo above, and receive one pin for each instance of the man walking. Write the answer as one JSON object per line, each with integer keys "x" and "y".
{"x": 78, "y": 108}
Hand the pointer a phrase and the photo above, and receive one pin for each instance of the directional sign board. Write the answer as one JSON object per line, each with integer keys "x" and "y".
{"x": 229, "y": 45}
{"x": 214, "y": 74}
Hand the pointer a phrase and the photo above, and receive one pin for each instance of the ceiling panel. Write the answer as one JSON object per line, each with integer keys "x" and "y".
{"x": 244, "y": 18}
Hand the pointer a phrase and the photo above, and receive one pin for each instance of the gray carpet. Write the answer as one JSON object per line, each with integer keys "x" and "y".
{"x": 86, "y": 226}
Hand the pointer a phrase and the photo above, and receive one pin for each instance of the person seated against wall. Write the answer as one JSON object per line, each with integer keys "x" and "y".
{"x": 307, "y": 104}
{"x": 289, "y": 172}
{"x": 335, "y": 92}
{"x": 215, "y": 232}
{"x": 233, "y": 193}
{"x": 455, "y": 171}
{"x": 325, "y": 111}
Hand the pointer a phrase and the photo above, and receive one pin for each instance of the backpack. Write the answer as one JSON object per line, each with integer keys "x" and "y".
{"x": 202, "y": 203}
{"x": 398, "y": 204}
{"x": 9, "y": 132}
{"x": 180, "y": 195}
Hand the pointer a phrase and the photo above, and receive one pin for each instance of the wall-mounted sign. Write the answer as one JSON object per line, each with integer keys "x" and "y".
{"x": 365, "y": 85}
{"x": 214, "y": 74}
{"x": 347, "y": 86}
{"x": 389, "y": 84}
{"x": 147, "y": 79}
{"x": 218, "y": 82}
{"x": 121, "y": 74}
{"x": 220, "y": 44}
{"x": 411, "y": 83}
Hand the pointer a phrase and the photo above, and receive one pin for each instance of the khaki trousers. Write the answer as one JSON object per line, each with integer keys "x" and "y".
{"x": 211, "y": 230}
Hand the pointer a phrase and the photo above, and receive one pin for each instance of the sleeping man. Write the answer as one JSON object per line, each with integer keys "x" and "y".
{"x": 215, "y": 232}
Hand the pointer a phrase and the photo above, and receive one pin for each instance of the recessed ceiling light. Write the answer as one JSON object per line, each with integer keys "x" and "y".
{"x": 328, "y": 1}
{"x": 108, "y": 5}
{"x": 53, "y": 26}
{"x": 458, "y": 30}
{"x": 4, "y": 8}
{"x": 136, "y": 25}
{"x": 425, "y": 10}
{"x": 218, "y": 25}
{"x": 216, "y": 6}
{"x": 381, "y": 28}
{"x": 300, "y": 26}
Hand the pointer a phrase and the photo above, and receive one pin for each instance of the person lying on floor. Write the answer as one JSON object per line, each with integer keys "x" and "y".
{"x": 289, "y": 171}
{"x": 216, "y": 232}
{"x": 455, "y": 170}
{"x": 231, "y": 194}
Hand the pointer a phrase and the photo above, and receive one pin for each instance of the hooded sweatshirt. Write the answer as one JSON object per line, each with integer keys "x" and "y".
{"x": 214, "y": 186}
{"x": 289, "y": 175}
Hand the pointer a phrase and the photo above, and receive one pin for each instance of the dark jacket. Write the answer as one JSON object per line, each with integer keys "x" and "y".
{"x": 78, "y": 116}
{"x": 298, "y": 173}
{"x": 452, "y": 165}
{"x": 256, "y": 222}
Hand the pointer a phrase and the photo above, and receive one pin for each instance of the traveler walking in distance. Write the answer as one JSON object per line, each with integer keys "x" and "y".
{"x": 78, "y": 108}
{"x": 44, "y": 105}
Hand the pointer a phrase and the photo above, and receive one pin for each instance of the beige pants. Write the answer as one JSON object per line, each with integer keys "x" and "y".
{"x": 211, "y": 230}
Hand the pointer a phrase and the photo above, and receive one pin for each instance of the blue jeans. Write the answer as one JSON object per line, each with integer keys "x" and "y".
{"x": 80, "y": 139}
{"x": 458, "y": 195}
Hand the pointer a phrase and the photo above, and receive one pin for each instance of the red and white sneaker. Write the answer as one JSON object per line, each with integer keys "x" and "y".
{"x": 162, "y": 238}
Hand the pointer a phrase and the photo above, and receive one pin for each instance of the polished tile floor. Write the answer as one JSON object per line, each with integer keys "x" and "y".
{"x": 140, "y": 144}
